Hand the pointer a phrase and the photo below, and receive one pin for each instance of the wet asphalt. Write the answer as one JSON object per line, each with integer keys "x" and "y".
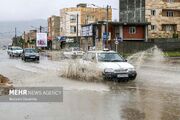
{"x": 154, "y": 95}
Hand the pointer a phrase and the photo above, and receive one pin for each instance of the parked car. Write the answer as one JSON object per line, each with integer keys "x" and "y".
{"x": 73, "y": 52}
{"x": 30, "y": 54}
{"x": 111, "y": 64}
{"x": 15, "y": 51}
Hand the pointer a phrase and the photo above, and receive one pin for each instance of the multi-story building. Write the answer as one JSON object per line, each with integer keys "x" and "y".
{"x": 53, "y": 32}
{"x": 30, "y": 39}
{"x": 73, "y": 18}
{"x": 164, "y": 16}
{"x": 132, "y": 18}
{"x": 53, "y": 27}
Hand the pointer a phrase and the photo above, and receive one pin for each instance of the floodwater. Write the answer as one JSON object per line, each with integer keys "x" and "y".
{"x": 154, "y": 95}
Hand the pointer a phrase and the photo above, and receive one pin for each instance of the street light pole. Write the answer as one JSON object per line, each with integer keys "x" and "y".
{"x": 77, "y": 31}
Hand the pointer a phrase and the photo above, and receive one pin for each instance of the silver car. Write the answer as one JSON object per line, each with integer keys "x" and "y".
{"x": 15, "y": 51}
{"x": 30, "y": 54}
{"x": 111, "y": 64}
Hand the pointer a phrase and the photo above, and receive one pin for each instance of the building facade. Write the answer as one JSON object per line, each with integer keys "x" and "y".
{"x": 164, "y": 16}
{"x": 53, "y": 26}
{"x": 53, "y": 32}
{"x": 118, "y": 31}
{"x": 132, "y": 18}
{"x": 29, "y": 39}
{"x": 132, "y": 11}
{"x": 73, "y": 18}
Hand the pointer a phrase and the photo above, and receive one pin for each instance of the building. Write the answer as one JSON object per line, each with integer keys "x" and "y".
{"x": 30, "y": 39}
{"x": 132, "y": 11}
{"x": 93, "y": 35}
{"x": 53, "y": 32}
{"x": 132, "y": 17}
{"x": 164, "y": 16}
{"x": 72, "y": 19}
{"x": 53, "y": 27}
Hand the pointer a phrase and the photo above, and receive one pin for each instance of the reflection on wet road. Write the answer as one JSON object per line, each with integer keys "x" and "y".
{"x": 154, "y": 95}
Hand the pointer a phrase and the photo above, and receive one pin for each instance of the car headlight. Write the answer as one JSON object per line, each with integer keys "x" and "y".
{"x": 108, "y": 70}
{"x": 131, "y": 69}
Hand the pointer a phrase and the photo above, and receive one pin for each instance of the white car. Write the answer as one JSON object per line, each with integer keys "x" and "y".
{"x": 73, "y": 52}
{"x": 15, "y": 51}
{"x": 111, "y": 64}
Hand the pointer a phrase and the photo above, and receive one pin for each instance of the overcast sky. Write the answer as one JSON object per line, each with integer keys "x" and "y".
{"x": 15, "y": 10}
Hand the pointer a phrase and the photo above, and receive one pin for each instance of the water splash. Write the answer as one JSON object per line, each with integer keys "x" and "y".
{"x": 153, "y": 55}
{"x": 154, "y": 68}
{"x": 74, "y": 69}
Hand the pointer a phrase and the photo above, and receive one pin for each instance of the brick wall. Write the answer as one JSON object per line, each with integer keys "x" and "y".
{"x": 140, "y": 33}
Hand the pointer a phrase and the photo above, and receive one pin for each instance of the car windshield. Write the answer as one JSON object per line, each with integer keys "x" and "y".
{"x": 110, "y": 57}
{"x": 17, "y": 48}
{"x": 30, "y": 51}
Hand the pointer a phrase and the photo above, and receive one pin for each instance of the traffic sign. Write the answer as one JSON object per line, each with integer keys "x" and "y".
{"x": 105, "y": 36}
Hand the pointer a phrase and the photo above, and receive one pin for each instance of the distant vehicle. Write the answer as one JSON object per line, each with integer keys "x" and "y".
{"x": 15, "y": 51}
{"x": 73, "y": 52}
{"x": 4, "y": 47}
{"x": 111, "y": 64}
{"x": 30, "y": 54}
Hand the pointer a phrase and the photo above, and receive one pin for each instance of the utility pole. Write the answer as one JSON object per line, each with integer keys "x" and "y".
{"x": 15, "y": 37}
{"x": 77, "y": 31}
{"x": 40, "y": 29}
{"x": 107, "y": 27}
{"x": 24, "y": 41}
{"x": 15, "y": 33}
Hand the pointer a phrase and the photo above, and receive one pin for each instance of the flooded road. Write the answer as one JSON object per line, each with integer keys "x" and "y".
{"x": 154, "y": 95}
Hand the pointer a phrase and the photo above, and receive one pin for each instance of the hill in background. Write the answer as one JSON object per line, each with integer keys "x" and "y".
{"x": 7, "y": 28}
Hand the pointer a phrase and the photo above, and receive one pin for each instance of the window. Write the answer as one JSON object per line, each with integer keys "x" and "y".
{"x": 73, "y": 29}
{"x": 170, "y": 1}
{"x": 91, "y": 17}
{"x": 166, "y": 27}
{"x": 153, "y": 27}
{"x": 153, "y": 12}
{"x": 132, "y": 30}
{"x": 72, "y": 18}
{"x": 109, "y": 57}
{"x": 170, "y": 13}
